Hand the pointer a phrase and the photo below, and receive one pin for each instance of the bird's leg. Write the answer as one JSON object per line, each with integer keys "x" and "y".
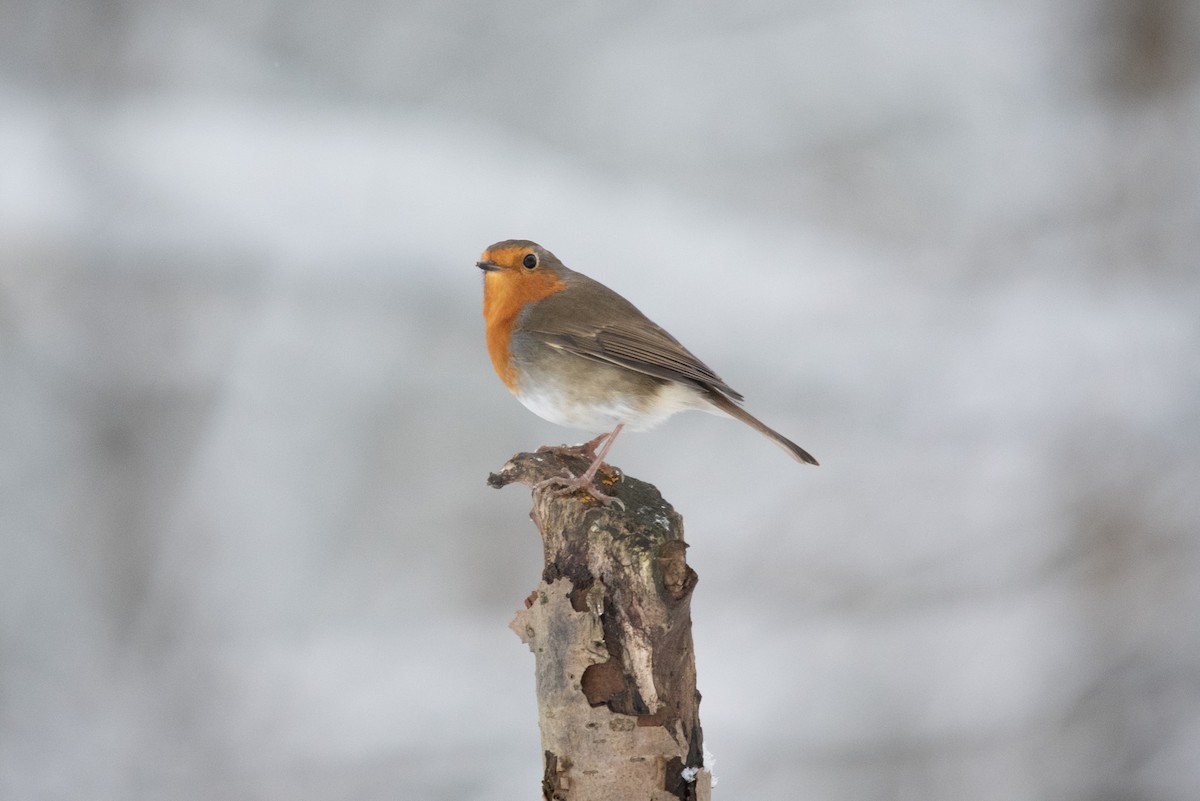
{"x": 566, "y": 484}
{"x": 587, "y": 449}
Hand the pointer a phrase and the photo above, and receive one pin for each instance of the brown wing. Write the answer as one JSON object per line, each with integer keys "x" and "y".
{"x": 599, "y": 324}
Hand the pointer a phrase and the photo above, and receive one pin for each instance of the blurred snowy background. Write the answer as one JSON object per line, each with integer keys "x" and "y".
{"x": 246, "y": 548}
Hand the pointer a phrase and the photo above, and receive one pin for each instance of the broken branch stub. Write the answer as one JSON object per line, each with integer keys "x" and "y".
{"x": 611, "y": 632}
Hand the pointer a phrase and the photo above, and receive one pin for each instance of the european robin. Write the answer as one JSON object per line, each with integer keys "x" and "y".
{"x": 580, "y": 355}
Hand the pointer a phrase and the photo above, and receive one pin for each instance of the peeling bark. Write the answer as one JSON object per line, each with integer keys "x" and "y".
{"x": 611, "y": 632}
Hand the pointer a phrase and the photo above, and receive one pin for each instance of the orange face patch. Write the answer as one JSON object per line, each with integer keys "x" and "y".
{"x": 505, "y": 293}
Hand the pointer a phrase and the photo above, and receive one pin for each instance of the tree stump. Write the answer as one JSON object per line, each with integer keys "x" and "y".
{"x": 611, "y": 631}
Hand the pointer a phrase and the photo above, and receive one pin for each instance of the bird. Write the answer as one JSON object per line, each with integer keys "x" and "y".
{"x": 578, "y": 354}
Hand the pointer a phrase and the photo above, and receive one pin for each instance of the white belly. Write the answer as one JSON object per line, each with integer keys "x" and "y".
{"x": 560, "y": 408}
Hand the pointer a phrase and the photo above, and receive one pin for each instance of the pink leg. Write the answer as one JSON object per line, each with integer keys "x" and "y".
{"x": 568, "y": 483}
{"x": 587, "y": 449}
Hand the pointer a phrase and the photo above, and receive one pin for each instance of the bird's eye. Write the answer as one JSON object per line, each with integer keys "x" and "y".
{"x": 530, "y": 261}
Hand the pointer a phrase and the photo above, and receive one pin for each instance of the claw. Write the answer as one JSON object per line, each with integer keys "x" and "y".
{"x": 568, "y": 483}
{"x": 565, "y": 485}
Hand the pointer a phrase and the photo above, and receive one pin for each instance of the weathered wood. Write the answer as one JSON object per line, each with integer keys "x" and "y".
{"x": 611, "y": 632}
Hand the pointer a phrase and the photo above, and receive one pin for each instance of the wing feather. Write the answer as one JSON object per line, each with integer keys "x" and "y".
{"x": 649, "y": 350}
{"x": 597, "y": 323}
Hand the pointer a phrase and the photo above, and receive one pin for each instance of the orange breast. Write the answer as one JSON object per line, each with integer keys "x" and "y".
{"x": 505, "y": 294}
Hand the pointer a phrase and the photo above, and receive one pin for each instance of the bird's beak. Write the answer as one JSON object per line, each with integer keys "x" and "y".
{"x": 487, "y": 266}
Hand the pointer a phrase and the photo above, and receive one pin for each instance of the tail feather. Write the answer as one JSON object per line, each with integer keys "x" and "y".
{"x": 733, "y": 410}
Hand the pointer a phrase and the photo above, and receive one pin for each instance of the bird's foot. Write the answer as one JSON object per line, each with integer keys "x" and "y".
{"x": 567, "y": 483}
